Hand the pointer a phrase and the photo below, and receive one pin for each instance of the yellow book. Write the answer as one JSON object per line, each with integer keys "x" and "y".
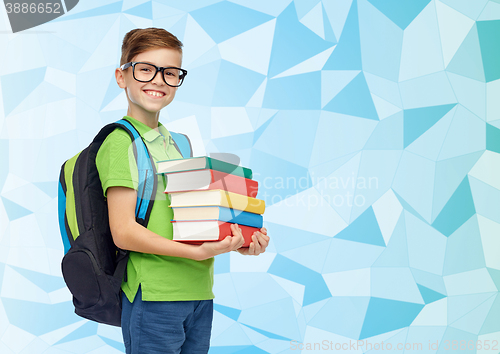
{"x": 217, "y": 197}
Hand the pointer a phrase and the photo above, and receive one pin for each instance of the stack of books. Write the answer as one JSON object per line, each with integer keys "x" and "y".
{"x": 208, "y": 195}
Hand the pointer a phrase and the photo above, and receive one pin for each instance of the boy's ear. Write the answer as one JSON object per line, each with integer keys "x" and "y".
{"x": 120, "y": 80}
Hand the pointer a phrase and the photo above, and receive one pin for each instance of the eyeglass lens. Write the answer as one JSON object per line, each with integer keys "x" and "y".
{"x": 146, "y": 72}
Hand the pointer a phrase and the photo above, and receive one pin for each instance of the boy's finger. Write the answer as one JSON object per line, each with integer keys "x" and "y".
{"x": 264, "y": 240}
{"x": 251, "y": 248}
{"x": 241, "y": 241}
{"x": 257, "y": 247}
{"x": 235, "y": 229}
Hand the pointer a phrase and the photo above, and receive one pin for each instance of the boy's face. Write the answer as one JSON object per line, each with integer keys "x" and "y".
{"x": 146, "y": 99}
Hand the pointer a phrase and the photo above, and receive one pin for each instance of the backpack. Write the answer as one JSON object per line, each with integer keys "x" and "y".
{"x": 93, "y": 267}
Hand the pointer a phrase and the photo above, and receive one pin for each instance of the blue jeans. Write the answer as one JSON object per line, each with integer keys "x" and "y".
{"x": 166, "y": 327}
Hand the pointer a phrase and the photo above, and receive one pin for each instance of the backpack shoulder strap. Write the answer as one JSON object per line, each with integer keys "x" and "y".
{"x": 182, "y": 144}
{"x": 148, "y": 182}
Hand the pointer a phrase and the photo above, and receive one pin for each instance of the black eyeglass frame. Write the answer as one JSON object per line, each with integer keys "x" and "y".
{"x": 158, "y": 68}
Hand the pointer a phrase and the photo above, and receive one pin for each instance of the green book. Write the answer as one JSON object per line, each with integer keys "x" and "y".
{"x": 202, "y": 163}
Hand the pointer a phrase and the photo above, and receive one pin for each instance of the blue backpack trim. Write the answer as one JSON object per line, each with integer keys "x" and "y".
{"x": 61, "y": 209}
{"x": 183, "y": 144}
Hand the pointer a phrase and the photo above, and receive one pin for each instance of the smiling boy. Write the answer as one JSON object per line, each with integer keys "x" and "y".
{"x": 167, "y": 302}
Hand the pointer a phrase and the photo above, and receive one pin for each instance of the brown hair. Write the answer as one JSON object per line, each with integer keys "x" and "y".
{"x": 143, "y": 39}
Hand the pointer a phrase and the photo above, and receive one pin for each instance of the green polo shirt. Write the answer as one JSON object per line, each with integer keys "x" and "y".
{"x": 162, "y": 278}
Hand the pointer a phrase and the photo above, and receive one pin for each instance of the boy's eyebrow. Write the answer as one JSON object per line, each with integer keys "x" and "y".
{"x": 148, "y": 62}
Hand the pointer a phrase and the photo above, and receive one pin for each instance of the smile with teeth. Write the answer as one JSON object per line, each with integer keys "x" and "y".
{"x": 155, "y": 93}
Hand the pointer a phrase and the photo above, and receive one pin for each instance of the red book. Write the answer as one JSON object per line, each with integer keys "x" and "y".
{"x": 210, "y": 179}
{"x": 208, "y": 230}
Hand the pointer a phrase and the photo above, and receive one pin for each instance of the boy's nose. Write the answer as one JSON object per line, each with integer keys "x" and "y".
{"x": 158, "y": 79}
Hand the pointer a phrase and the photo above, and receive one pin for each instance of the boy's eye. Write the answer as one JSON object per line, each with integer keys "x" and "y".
{"x": 144, "y": 68}
{"x": 171, "y": 73}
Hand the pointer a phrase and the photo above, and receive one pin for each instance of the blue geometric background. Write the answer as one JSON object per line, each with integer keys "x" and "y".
{"x": 373, "y": 127}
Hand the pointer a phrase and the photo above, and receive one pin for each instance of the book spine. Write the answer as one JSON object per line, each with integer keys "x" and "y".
{"x": 227, "y": 167}
{"x": 224, "y": 231}
{"x": 241, "y": 202}
{"x": 233, "y": 183}
{"x": 217, "y": 197}
{"x": 240, "y": 217}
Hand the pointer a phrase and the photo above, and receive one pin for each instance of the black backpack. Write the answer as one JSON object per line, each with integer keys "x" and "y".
{"x": 93, "y": 267}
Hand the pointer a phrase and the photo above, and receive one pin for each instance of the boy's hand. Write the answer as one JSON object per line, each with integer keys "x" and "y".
{"x": 260, "y": 241}
{"x": 230, "y": 243}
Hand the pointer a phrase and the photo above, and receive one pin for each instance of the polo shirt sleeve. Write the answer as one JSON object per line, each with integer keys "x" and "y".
{"x": 116, "y": 163}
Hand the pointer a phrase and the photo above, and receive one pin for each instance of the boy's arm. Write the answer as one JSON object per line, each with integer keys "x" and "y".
{"x": 129, "y": 235}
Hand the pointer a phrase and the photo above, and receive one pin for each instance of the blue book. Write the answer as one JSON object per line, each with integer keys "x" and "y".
{"x": 233, "y": 216}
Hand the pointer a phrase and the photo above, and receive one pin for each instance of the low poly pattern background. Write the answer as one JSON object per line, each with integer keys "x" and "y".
{"x": 373, "y": 127}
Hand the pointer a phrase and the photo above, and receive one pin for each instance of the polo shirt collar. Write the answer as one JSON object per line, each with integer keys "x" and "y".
{"x": 146, "y": 132}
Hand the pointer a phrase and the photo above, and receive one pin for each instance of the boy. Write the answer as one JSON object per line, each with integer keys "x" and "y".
{"x": 167, "y": 302}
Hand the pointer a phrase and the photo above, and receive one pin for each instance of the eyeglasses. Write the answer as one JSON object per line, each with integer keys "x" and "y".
{"x": 146, "y": 72}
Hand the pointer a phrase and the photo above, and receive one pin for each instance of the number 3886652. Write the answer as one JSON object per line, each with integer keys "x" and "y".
{"x": 32, "y": 8}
